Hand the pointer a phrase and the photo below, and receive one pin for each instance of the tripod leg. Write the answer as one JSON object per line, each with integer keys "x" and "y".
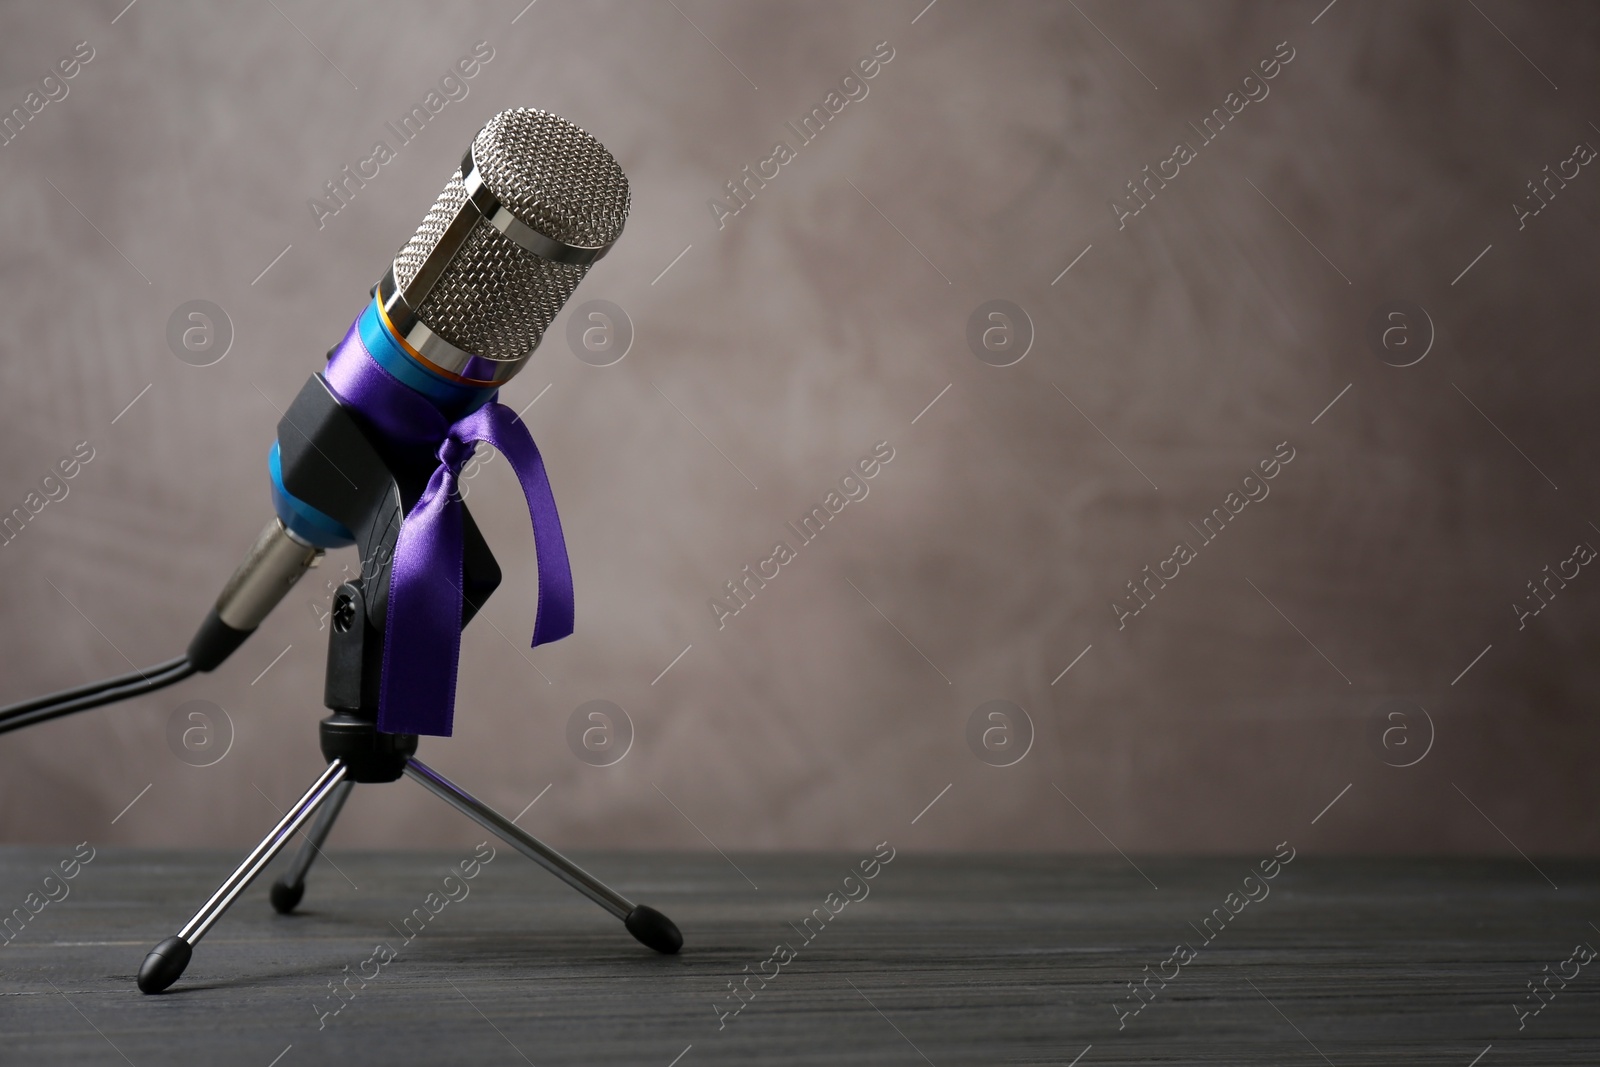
{"x": 167, "y": 960}
{"x": 291, "y": 885}
{"x": 649, "y": 926}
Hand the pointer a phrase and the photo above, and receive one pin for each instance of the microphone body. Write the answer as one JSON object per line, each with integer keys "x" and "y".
{"x": 464, "y": 303}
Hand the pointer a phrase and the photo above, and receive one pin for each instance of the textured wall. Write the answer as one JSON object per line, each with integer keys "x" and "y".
{"x": 1212, "y": 326}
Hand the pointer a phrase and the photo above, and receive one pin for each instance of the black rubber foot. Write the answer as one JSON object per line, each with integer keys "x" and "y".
{"x": 652, "y": 929}
{"x": 164, "y": 964}
{"x": 286, "y": 896}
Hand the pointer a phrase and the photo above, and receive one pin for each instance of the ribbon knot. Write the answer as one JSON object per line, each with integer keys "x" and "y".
{"x": 454, "y": 452}
{"x": 422, "y": 645}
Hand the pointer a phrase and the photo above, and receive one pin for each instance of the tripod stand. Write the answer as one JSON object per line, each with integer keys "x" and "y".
{"x": 356, "y": 750}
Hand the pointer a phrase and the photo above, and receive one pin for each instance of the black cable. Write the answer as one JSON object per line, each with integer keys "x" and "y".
{"x": 84, "y": 697}
{"x": 86, "y": 690}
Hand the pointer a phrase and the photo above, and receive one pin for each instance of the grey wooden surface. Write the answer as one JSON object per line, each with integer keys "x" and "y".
{"x": 950, "y": 960}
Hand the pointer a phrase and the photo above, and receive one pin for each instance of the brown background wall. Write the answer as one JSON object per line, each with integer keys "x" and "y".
{"x": 1218, "y": 323}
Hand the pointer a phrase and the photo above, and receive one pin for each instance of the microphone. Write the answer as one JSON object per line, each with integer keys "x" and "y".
{"x": 370, "y": 453}
{"x": 536, "y": 201}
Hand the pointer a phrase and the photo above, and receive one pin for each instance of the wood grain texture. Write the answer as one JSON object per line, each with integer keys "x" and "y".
{"x": 952, "y": 960}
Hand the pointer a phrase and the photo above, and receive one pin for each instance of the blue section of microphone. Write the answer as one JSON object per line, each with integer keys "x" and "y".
{"x": 453, "y": 398}
{"x": 298, "y": 517}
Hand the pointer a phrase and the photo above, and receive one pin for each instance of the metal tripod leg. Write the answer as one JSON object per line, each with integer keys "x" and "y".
{"x": 649, "y": 926}
{"x": 291, "y": 885}
{"x": 168, "y": 959}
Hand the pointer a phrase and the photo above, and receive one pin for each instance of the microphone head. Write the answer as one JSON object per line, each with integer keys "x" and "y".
{"x": 535, "y": 201}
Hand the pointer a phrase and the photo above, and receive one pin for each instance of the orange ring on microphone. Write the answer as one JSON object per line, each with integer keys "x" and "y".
{"x": 383, "y": 313}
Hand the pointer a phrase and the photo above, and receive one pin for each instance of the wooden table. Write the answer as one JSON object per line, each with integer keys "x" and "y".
{"x": 949, "y": 960}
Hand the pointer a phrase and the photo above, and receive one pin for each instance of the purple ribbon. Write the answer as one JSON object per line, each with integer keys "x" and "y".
{"x": 423, "y": 632}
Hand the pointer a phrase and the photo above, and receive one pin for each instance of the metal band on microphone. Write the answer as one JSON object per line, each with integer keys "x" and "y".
{"x": 428, "y": 348}
{"x": 500, "y": 217}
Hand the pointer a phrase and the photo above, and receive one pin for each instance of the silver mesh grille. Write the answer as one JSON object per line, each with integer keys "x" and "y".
{"x": 495, "y": 299}
{"x": 553, "y": 176}
{"x": 410, "y": 259}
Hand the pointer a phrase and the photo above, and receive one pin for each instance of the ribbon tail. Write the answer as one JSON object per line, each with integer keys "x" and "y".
{"x": 422, "y": 646}
{"x": 555, "y": 616}
{"x": 500, "y": 427}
